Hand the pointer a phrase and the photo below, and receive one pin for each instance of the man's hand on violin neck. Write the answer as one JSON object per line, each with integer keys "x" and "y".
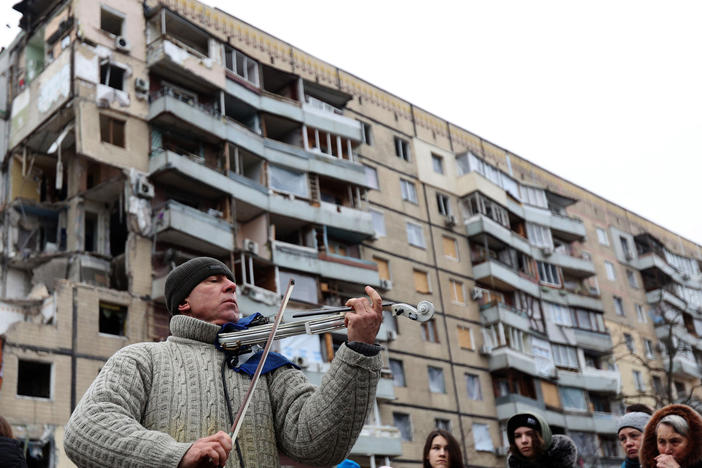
{"x": 364, "y": 321}
{"x": 208, "y": 452}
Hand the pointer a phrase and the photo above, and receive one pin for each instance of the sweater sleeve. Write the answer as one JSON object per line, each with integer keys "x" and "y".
{"x": 104, "y": 429}
{"x": 318, "y": 426}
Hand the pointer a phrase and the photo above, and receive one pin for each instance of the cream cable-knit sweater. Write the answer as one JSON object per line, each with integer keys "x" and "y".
{"x": 152, "y": 400}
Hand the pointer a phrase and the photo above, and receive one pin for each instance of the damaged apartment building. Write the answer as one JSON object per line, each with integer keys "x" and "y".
{"x": 136, "y": 135}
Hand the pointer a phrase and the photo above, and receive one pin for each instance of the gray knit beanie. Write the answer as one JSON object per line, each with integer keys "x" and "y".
{"x": 185, "y": 277}
{"x": 637, "y": 420}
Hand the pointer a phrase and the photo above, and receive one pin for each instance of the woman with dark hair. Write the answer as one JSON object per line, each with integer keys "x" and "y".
{"x": 672, "y": 439}
{"x": 442, "y": 450}
{"x": 531, "y": 444}
{"x": 11, "y": 455}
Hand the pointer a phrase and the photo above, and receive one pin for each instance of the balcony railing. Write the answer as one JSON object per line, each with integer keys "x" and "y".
{"x": 189, "y": 100}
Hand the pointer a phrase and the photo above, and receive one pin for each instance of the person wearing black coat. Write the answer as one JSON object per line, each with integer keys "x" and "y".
{"x": 533, "y": 446}
{"x": 11, "y": 454}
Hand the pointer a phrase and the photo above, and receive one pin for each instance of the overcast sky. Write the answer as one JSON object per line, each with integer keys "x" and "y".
{"x": 606, "y": 94}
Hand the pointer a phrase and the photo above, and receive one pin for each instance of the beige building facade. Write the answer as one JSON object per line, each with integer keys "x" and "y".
{"x": 136, "y": 136}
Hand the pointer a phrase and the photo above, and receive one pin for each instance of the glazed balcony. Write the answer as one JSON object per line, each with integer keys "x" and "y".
{"x": 655, "y": 264}
{"x": 310, "y": 260}
{"x": 182, "y": 225}
{"x": 666, "y": 295}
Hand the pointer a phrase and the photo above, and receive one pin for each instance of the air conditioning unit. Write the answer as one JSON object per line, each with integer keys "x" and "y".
{"x": 546, "y": 251}
{"x": 141, "y": 85}
{"x": 502, "y": 451}
{"x": 476, "y": 294}
{"x": 144, "y": 188}
{"x": 685, "y": 277}
{"x": 385, "y": 284}
{"x": 450, "y": 220}
{"x": 485, "y": 350}
{"x": 251, "y": 246}
{"x": 122, "y": 44}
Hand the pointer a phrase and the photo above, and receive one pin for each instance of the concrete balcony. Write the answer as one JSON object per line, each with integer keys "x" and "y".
{"x": 570, "y": 229}
{"x": 171, "y": 112}
{"x": 182, "y": 225}
{"x": 508, "y": 358}
{"x": 605, "y": 423}
{"x": 492, "y": 272}
{"x": 383, "y": 441}
{"x": 653, "y": 261}
{"x": 506, "y": 315}
{"x": 293, "y": 110}
{"x": 385, "y": 390}
{"x": 683, "y": 367}
{"x": 578, "y": 267}
{"x": 166, "y": 58}
{"x": 584, "y": 302}
{"x": 591, "y": 340}
{"x": 309, "y": 260}
{"x": 255, "y": 198}
{"x": 483, "y": 225}
{"x": 594, "y": 380}
{"x": 658, "y": 295}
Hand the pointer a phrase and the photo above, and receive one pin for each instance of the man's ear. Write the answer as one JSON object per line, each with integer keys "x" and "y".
{"x": 184, "y": 307}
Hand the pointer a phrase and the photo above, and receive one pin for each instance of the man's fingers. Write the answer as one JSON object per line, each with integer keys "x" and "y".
{"x": 375, "y": 299}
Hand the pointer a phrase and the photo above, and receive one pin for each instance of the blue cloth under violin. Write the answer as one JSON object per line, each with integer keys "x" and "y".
{"x": 273, "y": 361}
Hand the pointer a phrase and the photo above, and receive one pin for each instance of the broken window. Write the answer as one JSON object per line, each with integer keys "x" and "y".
{"x": 443, "y": 204}
{"x": 112, "y": 130}
{"x": 450, "y": 247}
{"x": 113, "y": 76}
{"x": 34, "y": 378}
{"x": 305, "y": 286}
{"x": 402, "y": 422}
{"x": 609, "y": 446}
{"x": 443, "y": 424}
{"x": 533, "y": 196}
{"x": 383, "y": 268}
{"x": 402, "y": 149}
{"x": 437, "y": 384}
{"x": 366, "y": 133}
{"x": 286, "y": 180}
{"x": 113, "y": 318}
{"x": 618, "y": 305}
{"x": 482, "y": 438}
{"x": 457, "y": 295}
{"x": 91, "y": 232}
{"x": 585, "y": 441}
{"x": 111, "y": 21}
{"x": 476, "y": 203}
{"x": 398, "y": 372}
{"x": 242, "y": 66}
{"x": 573, "y": 398}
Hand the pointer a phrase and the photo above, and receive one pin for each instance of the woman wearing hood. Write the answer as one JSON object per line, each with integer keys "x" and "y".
{"x": 672, "y": 439}
{"x": 532, "y": 445}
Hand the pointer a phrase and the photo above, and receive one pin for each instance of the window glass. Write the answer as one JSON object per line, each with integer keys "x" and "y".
{"x": 539, "y": 235}
{"x": 436, "y": 380}
{"x": 288, "y": 181}
{"x": 482, "y": 439}
{"x": 437, "y": 163}
{"x": 378, "y": 222}
{"x": 415, "y": 235}
{"x": 602, "y": 236}
{"x": 409, "y": 191}
{"x": 475, "y": 392}
{"x": 398, "y": 372}
{"x": 444, "y": 424}
{"x": 372, "y": 177}
{"x": 565, "y": 356}
{"x": 573, "y": 398}
{"x": 305, "y": 286}
{"x": 402, "y": 422}
{"x": 618, "y": 305}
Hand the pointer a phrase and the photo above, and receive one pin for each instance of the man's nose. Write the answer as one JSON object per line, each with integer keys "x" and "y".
{"x": 229, "y": 285}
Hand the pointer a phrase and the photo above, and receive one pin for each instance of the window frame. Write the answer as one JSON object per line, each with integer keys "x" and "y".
{"x": 402, "y": 149}
{"x": 51, "y": 377}
{"x": 417, "y": 230}
{"x": 408, "y": 189}
{"x": 602, "y": 237}
{"x": 437, "y": 162}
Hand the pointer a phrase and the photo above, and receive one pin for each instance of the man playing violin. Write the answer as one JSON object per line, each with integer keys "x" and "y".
{"x": 165, "y": 404}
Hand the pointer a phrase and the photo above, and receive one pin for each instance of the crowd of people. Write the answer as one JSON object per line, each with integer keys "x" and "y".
{"x": 168, "y": 403}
